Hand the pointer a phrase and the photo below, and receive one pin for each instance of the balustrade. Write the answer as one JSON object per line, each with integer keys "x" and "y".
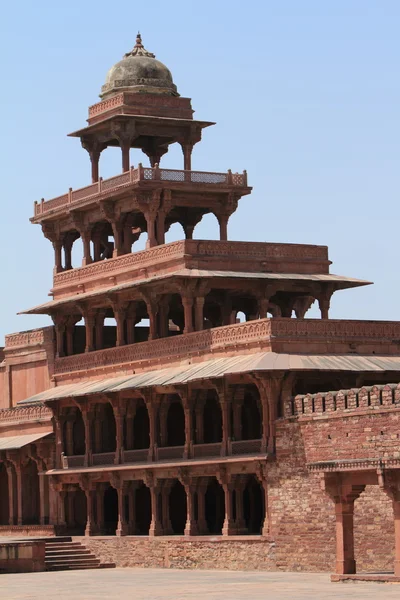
{"x": 136, "y": 175}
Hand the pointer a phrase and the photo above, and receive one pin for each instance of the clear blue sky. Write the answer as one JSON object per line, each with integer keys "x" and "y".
{"x": 306, "y": 96}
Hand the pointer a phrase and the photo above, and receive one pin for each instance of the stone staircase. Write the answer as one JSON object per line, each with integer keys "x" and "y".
{"x": 63, "y": 554}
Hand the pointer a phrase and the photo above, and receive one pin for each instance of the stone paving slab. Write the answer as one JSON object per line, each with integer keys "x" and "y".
{"x": 163, "y": 584}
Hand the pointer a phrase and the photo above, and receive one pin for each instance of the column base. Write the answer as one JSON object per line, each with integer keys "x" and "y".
{"x": 191, "y": 529}
{"x": 228, "y": 529}
{"x": 156, "y": 529}
{"x": 122, "y": 529}
{"x": 346, "y": 567}
{"x": 397, "y": 568}
{"x": 90, "y": 529}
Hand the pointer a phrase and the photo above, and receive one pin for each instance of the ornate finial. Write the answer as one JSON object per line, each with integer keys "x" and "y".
{"x": 139, "y": 49}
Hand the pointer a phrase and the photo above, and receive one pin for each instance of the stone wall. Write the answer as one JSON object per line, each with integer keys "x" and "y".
{"x": 252, "y": 553}
{"x": 22, "y": 557}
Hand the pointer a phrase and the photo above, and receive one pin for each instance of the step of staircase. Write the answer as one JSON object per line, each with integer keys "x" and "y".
{"x": 64, "y": 554}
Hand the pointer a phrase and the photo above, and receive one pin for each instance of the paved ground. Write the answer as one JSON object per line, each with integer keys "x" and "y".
{"x": 162, "y": 584}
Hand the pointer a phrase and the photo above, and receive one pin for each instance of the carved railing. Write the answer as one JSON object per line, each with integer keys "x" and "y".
{"x": 260, "y": 333}
{"x": 103, "y": 458}
{"x": 141, "y": 455}
{"x": 34, "y": 337}
{"x": 169, "y": 453}
{"x": 81, "y": 195}
{"x": 25, "y": 413}
{"x": 73, "y": 462}
{"x": 245, "y": 447}
{"x": 205, "y": 450}
{"x": 254, "y": 251}
{"x": 182, "y": 345}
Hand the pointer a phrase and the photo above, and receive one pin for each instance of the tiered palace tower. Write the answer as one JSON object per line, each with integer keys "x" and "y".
{"x": 148, "y": 408}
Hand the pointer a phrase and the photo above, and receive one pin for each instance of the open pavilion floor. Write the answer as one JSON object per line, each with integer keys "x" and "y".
{"x": 163, "y": 584}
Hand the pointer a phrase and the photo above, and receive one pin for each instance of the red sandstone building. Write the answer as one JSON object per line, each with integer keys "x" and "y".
{"x": 178, "y": 436}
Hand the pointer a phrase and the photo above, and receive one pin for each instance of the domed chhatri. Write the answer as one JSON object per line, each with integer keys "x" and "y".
{"x": 139, "y": 72}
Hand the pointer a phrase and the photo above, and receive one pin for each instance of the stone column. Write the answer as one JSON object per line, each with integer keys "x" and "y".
{"x": 89, "y": 325}
{"x": 87, "y": 259}
{"x": 119, "y": 414}
{"x": 88, "y": 418}
{"x": 344, "y": 495}
{"x": 69, "y": 440}
{"x": 396, "y": 515}
{"x": 57, "y": 245}
{"x": 199, "y": 313}
{"x": 122, "y": 527}
{"x": 99, "y": 327}
{"x": 155, "y": 525}
{"x": 19, "y": 493}
{"x": 42, "y": 497}
{"x": 191, "y": 523}
{"x": 188, "y": 311}
{"x": 223, "y": 226}
{"x": 125, "y": 148}
{"x": 345, "y": 562}
{"x": 90, "y": 524}
{"x": 152, "y": 408}
{"x": 119, "y": 315}
{"x": 225, "y": 481}
{"x": 11, "y": 494}
{"x": 225, "y": 405}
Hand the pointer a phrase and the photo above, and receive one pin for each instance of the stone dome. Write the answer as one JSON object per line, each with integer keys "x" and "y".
{"x": 139, "y": 72}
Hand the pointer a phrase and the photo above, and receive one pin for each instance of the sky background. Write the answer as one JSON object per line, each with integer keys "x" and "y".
{"x": 306, "y": 97}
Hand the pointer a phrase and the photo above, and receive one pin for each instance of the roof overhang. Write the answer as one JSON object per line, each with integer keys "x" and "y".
{"x": 16, "y": 442}
{"x": 220, "y": 367}
{"x": 339, "y": 281}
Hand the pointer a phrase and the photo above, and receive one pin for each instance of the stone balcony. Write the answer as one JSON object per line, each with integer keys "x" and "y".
{"x": 247, "y": 257}
{"x": 139, "y": 177}
{"x": 279, "y": 335}
{"x": 165, "y": 454}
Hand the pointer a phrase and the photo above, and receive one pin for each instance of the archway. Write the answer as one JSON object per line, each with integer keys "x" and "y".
{"x": 142, "y": 510}
{"x": 78, "y": 435}
{"x": 212, "y": 420}
{"x": 30, "y": 494}
{"x": 251, "y": 418}
{"x": 110, "y": 510}
{"x": 177, "y": 508}
{"x": 253, "y": 506}
{"x": 141, "y": 428}
{"x": 215, "y": 507}
{"x": 4, "y": 503}
{"x": 175, "y": 424}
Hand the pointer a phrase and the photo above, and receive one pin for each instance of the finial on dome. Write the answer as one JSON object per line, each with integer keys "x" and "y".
{"x": 139, "y": 49}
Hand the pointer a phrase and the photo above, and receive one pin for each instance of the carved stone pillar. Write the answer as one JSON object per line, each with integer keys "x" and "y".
{"x": 344, "y": 496}
{"x": 199, "y": 415}
{"x": 99, "y": 329}
{"x": 199, "y": 313}
{"x": 224, "y": 479}
{"x": 187, "y": 302}
{"x": 119, "y": 414}
{"x": 85, "y": 234}
{"x": 324, "y": 302}
{"x": 11, "y": 494}
{"x": 57, "y": 245}
{"x": 88, "y": 419}
{"x": 223, "y": 226}
{"x": 155, "y": 525}
{"x": 69, "y": 439}
{"x": 89, "y": 317}
{"x": 119, "y": 315}
{"x": 240, "y": 523}
{"x": 152, "y": 405}
{"x": 94, "y": 150}
{"x": 122, "y": 526}
{"x": 190, "y": 489}
{"x": 61, "y": 508}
